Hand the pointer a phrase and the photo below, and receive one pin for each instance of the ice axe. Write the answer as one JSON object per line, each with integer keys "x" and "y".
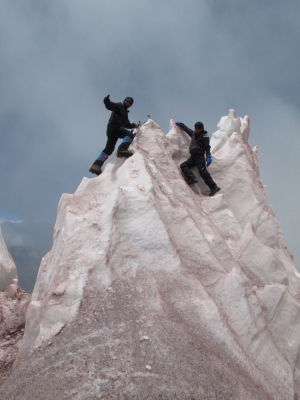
{"x": 136, "y": 129}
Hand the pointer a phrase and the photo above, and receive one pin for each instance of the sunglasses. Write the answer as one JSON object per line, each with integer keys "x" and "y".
{"x": 198, "y": 127}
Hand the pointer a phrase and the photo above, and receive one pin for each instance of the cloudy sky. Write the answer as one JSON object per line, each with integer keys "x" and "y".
{"x": 189, "y": 61}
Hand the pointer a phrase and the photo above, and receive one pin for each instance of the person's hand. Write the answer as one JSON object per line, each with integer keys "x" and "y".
{"x": 208, "y": 160}
{"x": 106, "y": 99}
{"x": 179, "y": 123}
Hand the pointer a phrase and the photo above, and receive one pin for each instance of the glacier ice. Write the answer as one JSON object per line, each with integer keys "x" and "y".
{"x": 8, "y": 270}
{"x": 138, "y": 254}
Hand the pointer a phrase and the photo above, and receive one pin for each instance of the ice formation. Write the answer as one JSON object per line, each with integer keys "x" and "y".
{"x": 153, "y": 289}
{"x": 8, "y": 270}
{"x": 13, "y": 306}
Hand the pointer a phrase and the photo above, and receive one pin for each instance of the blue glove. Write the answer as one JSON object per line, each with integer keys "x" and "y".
{"x": 208, "y": 160}
{"x": 178, "y": 123}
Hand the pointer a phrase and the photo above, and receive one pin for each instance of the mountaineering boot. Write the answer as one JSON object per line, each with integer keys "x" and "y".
{"x": 123, "y": 148}
{"x": 124, "y": 153}
{"x": 214, "y": 190}
{"x": 96, "y": 167}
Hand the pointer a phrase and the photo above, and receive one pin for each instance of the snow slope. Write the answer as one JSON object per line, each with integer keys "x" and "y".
{"x": 8, "y": 270}
{"x": 153, "y": 289}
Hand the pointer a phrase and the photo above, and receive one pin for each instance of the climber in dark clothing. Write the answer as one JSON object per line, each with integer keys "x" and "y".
{"x": 198, "y": 148}
{"x": 116, "y": 129}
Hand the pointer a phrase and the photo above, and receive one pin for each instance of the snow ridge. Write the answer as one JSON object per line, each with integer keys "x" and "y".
{"x": 163, "y": 290}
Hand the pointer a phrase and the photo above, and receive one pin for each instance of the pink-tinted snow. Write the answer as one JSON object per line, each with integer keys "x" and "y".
{"x": 154, "y": 290}
{"x": 8, "y": 270}
{"x": 13, "y": 306}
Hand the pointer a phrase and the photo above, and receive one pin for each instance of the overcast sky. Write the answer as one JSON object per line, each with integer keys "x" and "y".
{"x": 189, "y": 61}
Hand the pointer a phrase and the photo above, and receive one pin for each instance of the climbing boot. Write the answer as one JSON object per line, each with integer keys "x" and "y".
{"x": 95, "y": 169}
{"x": 124, "y": 153}
{"x": 214, "y": 190}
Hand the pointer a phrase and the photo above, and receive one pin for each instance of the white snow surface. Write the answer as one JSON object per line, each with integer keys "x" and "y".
{"x": 8, "y": 270}
{"x": 153, "y": 289}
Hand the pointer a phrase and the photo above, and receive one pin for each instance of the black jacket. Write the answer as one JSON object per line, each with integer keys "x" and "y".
{"x": 119, "y": 115}
{"x": 200, "y": 141}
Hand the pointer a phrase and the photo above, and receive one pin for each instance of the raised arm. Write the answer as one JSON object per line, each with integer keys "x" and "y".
{"x": 110, "y": 105}
{"x": 185, "y": 128}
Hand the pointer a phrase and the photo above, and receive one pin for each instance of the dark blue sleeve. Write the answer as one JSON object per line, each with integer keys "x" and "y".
{"x": 206, "y": 145}
{"x": 110, "y": 105}
{"x": 187, "y": 130}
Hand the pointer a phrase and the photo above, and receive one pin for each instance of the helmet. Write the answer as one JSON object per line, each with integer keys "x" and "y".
{"x": 128, "y": 98}
{"x": 199, "y": 124}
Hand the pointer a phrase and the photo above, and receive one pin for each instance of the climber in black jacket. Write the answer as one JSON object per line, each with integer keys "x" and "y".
{"x": 116, "y": 129}
{"x": 198, "y": 148}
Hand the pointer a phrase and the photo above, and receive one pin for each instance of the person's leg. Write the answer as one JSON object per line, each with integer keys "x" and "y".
{"x": 187, "y": 172}
{"x": 112, "y": 139}
{"x": 127, "y": 137}
{"x": 205, "y": 175}
{"x": 113, "y": 134}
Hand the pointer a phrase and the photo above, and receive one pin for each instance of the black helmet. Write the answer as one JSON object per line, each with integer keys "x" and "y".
{"x": 199, "y": 125}
{"x": 128, "y": 98}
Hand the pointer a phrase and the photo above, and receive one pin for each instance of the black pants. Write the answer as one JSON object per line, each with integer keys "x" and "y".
{"x": 115, "y": 132}
{"x": 199, "y": 161}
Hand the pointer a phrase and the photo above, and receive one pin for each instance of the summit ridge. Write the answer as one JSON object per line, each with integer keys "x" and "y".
{"x": 153, "y": 289}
